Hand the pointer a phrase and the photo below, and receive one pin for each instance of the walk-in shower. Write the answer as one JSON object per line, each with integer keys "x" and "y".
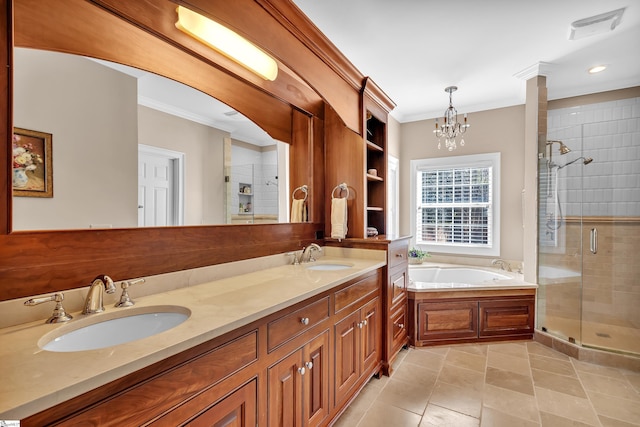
{"x": 589, "y": 228}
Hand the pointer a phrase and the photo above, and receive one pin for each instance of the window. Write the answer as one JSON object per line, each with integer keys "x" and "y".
{"x": 456, "y": 204}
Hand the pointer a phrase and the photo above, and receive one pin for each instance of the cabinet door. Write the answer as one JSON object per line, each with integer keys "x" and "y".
{"x": 236, "y": 410}
{"x": 285, "y": 391}
{"x": 347, "y": 354}
{"x": 447, "y": 320}
{"x": 371, "y": 336}
{"x": 398, "y": 286}
{"x": 398, "y": 329}
{"x": 316, "y": 380}
{"x": 506, "y": 317}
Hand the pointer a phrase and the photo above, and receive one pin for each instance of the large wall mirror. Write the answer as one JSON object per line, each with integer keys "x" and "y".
{"x": 131, "y": 148}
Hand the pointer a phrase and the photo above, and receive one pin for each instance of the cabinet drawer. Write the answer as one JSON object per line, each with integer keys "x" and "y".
{"x": 291, "y": 325}
{"x": 356, "y": 292}
{"x": 397, "y": 254}
{"x": 398, "y": 285}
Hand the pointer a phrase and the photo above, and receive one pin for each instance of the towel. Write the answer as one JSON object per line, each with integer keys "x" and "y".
{"x": 339, "y": 218}
{"x": 298, "y": 210}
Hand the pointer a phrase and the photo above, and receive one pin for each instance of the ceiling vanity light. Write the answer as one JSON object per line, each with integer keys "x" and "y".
{"x": 597, "y": 69}
{"x": 227, "y": 42}
{"x": 451, "y": 129}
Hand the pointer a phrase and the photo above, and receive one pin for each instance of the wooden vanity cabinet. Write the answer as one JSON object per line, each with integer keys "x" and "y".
{"x": 300, "y": 366}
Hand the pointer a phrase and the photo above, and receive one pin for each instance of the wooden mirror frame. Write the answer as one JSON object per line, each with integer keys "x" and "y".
{"x": 37, "y": 262}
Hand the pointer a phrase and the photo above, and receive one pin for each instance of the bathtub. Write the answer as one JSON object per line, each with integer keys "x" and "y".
{"x": 440, "y": 277}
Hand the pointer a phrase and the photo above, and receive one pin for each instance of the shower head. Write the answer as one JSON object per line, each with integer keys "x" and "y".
{"x": 585, "y": 161}
{"x": 563, "y": 148}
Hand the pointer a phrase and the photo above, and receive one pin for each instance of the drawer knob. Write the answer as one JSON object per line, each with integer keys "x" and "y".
{"x": 304, "y": 320}
{"x": 399, "y": 255}
{"x": 301, "y": 370}
{"x": 309, "y": 365}
{"x": 401, "y": 325}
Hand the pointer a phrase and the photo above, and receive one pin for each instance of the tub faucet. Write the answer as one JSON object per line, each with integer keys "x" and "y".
{"x": 308, "y": 251}
{"x": 504, "y": 265}
{"x": 93, "y": 303}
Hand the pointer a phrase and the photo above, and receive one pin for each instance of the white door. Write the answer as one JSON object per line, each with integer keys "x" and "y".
{"x": 157, "y": 183}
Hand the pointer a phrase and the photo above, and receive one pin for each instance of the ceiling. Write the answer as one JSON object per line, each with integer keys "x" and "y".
{"x": 413, "y": 49}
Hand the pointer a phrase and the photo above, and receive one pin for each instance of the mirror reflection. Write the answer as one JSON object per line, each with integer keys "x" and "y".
{"x": 131, "y": 148}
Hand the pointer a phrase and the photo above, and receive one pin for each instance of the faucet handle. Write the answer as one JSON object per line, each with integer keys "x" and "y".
{"x": 125, "y": 300}
{"x": 59, "y": 314}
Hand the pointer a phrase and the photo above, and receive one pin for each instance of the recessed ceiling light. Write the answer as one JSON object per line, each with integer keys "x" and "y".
{"x": 597, "y": 69}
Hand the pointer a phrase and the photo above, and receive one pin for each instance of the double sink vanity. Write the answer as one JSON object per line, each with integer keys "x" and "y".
{"x": 282, "y": 342}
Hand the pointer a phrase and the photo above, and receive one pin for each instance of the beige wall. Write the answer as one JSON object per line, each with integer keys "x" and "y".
{"x": 500, "y": 130}
{"x": 91, "y": 112}
{"x": 203, "y": 147}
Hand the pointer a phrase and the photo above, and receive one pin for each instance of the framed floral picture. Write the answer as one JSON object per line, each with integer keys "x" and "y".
{"x": 32, "y": 163}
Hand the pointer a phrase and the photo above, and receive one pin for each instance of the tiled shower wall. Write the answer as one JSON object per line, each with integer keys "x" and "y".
{"x": 608, "y": 132}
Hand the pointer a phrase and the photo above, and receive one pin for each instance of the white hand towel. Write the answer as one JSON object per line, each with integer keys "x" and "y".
{"x": 338, "y": 218}
{"x": 298, "y": 210}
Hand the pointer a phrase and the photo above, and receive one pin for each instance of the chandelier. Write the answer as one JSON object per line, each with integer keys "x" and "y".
{"x": 451, "y": 129}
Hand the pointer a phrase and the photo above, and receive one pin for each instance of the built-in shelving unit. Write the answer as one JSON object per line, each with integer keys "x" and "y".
{"x": 376, "y": 141}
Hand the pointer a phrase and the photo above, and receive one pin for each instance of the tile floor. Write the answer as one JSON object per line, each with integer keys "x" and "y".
{"x": 499, "y": 385}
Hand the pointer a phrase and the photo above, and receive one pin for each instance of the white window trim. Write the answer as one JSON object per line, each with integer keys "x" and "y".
{"x": 474, "y": 160}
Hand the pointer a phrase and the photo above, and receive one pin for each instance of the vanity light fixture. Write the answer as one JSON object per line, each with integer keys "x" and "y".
{"x": 227, "y": 42}
{"x": 451, "y": 129}
{"x": 597, "y": 69}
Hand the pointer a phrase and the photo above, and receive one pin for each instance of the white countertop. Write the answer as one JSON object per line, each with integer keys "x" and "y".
{"x": 34, "y": 379}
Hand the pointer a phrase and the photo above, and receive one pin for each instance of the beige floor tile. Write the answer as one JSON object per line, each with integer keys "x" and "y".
{"x": 559, "y": 383}
{"x": 441, "y": 350}
{"x": 457, "y": 399}
{"x": 510, "y": 348}
{"x": 597, "y": 369}
{"x": 550, "y": 420}
{"x": 509, "y": 380}
{"x": 436, "y": 416}
{"x": 495, "y": 418}
{"x": 426, "y": 359}
{"x": 415, "y": 373}
{"x": 466, "y": 360}
{"x": 566, "y": 406}
{"x": 561, "y": 367}
{"x": 473, "y": 349}
{"x": 384, "y": 415}
{"x": 615, "y": 407}
{"x": 406, "y": 395}
{"x": 507, "y": 401}
{"x": 542, "y": 350}
{"x": 349, "y": 418}
{"x": 509, "y": 362}
{"x": 462, "y": 377}
{"x": 610, "y": 422}
{"x": 634, "y": 379}
{"x": 608, "y": 385}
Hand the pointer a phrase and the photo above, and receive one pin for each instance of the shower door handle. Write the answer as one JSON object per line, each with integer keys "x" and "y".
{"x": 593, "y": 242}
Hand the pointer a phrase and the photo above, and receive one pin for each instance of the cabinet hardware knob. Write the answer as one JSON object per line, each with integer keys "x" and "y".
{"x": 301, "y": 370}
{"x": 309, "y": 365}
{"x": 364, "y": 322}
{"x": 399, "y": 255}
{"x": 304, "y": 320}
{"x": 401, "y": 325}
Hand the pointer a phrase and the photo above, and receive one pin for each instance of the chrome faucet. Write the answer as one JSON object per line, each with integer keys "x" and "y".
{"x": 93, "y": 303}
{"x": 308, "y": 251}
{"x": 504, "y": 265}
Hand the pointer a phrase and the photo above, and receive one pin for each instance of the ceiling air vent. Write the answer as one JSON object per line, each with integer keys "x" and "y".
{"x": 599, "y": 24}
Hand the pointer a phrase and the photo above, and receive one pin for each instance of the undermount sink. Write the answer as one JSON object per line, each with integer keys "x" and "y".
{"x": 329, "y": 266}
{"x": 117, "y": 327}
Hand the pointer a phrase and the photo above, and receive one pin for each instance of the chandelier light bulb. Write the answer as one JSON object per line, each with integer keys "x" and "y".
{"x": 451, "y": 128}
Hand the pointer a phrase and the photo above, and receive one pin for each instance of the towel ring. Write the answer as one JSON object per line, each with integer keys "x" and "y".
{"x": 340, "y": 188}
{"x": 302, "y": 188}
